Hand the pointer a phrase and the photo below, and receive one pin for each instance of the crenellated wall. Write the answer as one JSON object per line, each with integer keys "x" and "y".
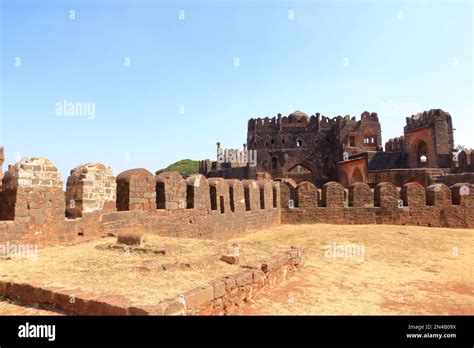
{"x": 34, "y": 209}
{"x": 434, "y": 206}
{"x": 32, "y": 202}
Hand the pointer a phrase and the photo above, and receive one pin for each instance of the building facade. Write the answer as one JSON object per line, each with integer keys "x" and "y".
{"x": 320, "y": 149}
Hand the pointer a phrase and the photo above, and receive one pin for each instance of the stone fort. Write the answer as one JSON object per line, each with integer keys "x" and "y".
{"x": 306, "y": 169}
{"x": 319, "y": 149}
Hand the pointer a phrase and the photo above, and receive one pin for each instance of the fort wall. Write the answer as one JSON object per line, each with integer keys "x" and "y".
{"x": 34, "y": 209}
{"x": 434, "y": 206}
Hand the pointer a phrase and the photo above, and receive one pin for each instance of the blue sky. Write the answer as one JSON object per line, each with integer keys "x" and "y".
{"x": 336, "y": 58}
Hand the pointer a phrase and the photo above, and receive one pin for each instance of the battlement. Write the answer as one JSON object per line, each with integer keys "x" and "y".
{"x": 426, "y": 119}
{"x": 369, "y": 116}
{"x": 384, "y": 195}
{"x": 395, "y": 144}
{"x": 299, "y": 119}
{"x": 412, "y": 204}
{"x": 35, "y": 208}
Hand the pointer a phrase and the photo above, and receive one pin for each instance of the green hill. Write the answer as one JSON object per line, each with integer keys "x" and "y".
{"x": 185, "y": 167}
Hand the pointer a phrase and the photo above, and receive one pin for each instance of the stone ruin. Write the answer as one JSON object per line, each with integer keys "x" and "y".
{"x": 90, "y": 187}
{"x": 136, "y": 190}
{"x": 35, "y": 209}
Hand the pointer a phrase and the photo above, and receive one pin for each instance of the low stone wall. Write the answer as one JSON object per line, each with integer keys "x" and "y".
{"x": 220, "y": 297}
{"x": 434, "y": 206}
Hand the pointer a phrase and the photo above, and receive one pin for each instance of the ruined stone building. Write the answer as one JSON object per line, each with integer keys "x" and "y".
{"x": 320, "y": 149}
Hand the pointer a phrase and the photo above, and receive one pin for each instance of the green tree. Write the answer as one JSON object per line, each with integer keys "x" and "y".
{"x": 185, "y": 167}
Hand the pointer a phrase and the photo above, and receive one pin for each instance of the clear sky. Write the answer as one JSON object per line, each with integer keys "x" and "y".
{"x": 167, "y": 84}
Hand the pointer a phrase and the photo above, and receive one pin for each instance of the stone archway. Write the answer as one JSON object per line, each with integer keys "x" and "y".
{"x": 357, "y": 176}
{"x": 421, "y": 153}
{"x": 300, "y": 173}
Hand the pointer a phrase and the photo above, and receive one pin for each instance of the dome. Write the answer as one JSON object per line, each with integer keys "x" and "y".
{"x": 298, "y": 117}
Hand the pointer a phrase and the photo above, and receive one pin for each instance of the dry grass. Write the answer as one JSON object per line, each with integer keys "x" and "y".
{"x": 405, "y": 270}
{"x": 137, "y": 276}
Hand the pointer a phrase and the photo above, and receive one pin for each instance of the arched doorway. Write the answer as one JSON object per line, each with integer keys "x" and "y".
{"x": 357, "y": 176}
{"x": 421, "y": 151}
{"x": 300, "y": 173}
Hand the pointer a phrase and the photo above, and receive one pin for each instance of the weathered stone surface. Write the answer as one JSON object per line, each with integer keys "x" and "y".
{"x": 265, "y": 194}
{"x": 413, "y": 195}
{"x": 438, "y": 195}
{"x": 170, "y": 191}
{"x": 307, "y": 195}
{"x": 136, "y": 190}
{"x": 252, "y": 195}
{"x": 386, "y": 195}
{"x": 131, "y": 238}
{"x": 236, "y": 195}
{"x": 360, "y": 195}
{"x": 199, "y": 296}
{"x": 219, "y": 193}
{"x": 197, "y": 193}
{"x": 90, "y": 187}
{"x": 32, "y": 193}
{"x": 463, "y": 194}
{"x": 288, "y": 194}
{"x": 230, "y": 259}
{"x": 333, "y": 195}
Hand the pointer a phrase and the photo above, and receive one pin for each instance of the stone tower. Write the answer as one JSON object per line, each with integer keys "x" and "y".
{"x": 428, "y": 140}
{"x": 307, "y": 148}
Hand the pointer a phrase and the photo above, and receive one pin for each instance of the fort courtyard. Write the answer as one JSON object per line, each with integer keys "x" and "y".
{"x": 384, "y": 270}
{"x": 321, "y": 220}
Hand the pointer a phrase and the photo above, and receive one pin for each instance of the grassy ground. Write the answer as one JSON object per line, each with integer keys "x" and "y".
{"x": 375, "y": 269}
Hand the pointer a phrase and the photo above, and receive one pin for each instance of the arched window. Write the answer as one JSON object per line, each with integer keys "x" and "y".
{"x": 422, "y": 154}
{"x": 299, "y": 142}
{"x": 274, "y": 163}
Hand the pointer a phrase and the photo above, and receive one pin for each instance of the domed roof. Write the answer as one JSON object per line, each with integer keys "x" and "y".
{"x": 298, "y": 117}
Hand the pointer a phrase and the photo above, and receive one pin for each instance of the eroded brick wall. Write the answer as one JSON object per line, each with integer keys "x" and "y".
{"x": 307, "y": 195}
{"x": 33, "y": 200}
{"x": 436, "y": 206}
{"x": 32, "y": 196}
{"x": 90, "y": 187}
{"x": 170, "y": 191}
{"x": 136, "y": 190}
{"x": 360, "y": 195}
